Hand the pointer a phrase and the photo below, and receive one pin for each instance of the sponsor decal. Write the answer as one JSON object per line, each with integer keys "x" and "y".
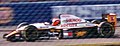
{"x": 73, "y": 20}
{"x": 44, "y": 27}
{"x": 69, "y": 25}
{"x": 5, "y": 14}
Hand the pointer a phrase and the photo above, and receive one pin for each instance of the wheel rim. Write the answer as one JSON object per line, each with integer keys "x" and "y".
{"x": 107, "y": 30}
{"x": 30, "y": 33}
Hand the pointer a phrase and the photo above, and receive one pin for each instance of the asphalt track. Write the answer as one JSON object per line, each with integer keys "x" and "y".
{"x": 62, "y": 42}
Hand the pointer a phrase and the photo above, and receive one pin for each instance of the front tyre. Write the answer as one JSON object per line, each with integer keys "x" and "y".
{"x": 106, "y": 30}
{"x": 30, "y": 33}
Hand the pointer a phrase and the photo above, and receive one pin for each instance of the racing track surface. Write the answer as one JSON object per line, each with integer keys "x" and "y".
{"x": 62, "y": 42}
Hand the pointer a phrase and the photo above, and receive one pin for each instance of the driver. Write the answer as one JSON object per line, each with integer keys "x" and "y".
{"x": 55, "y": 21}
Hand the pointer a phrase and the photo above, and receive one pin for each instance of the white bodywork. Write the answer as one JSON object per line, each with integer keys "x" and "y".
{"x": 67, "y": 22}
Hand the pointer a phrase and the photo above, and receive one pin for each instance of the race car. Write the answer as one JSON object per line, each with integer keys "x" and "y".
{"x": 65, "y": 26}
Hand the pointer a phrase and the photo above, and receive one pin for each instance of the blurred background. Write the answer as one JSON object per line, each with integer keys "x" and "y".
{"x": 2, "y": 1}
{"x": 14, "y": 12}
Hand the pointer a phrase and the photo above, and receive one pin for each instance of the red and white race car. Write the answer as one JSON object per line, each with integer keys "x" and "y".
{"x": 65, "y": 26}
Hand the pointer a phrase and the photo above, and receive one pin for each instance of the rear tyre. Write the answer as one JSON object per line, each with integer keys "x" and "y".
{"x": 30, "y": 33}
{"x": 106, "y": 30}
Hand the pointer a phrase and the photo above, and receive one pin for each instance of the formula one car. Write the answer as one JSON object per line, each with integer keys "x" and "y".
{"x": 65, "y": 26}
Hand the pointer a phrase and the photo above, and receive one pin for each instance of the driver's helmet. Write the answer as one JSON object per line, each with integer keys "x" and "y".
{"x": 55, "y": 21}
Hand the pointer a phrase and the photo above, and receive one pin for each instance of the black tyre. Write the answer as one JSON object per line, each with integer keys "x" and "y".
{"x": 106, "y": 30}
{"x": 30, "y": 33}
